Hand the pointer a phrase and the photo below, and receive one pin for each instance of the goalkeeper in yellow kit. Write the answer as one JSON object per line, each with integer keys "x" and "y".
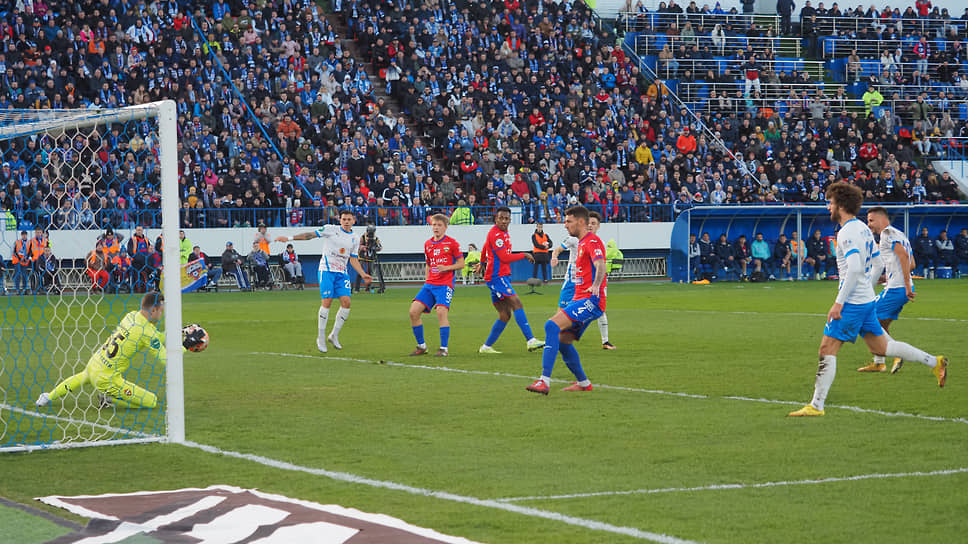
{"x": 137, "y": 333}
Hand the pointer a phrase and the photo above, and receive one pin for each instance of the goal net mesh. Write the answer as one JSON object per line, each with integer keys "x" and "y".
{"x": 76, "y": 186}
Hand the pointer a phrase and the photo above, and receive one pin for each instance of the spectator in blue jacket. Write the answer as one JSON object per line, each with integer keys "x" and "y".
{"x": 761, "y": 253}
{"x": 925, "y": 252}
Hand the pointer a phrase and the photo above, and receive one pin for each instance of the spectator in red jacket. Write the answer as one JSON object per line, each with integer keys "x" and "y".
{"x": 686, "y": 143}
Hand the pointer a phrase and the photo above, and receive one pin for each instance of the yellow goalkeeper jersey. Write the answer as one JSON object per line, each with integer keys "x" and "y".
{"x": 135, "y": 334}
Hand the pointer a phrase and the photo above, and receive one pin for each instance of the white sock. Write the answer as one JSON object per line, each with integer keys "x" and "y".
{"x": 323, "y": 318}
{"x": 546, "y": 380}
{"x": 422, "y": 346}
{"x": 341, "y": 316}
{"x": 585, "y": 383}
{"x": 879, "y": 360}
{"x": 603, "y": 327}
{"x": 907, "y": 352}
{"x": 826, "y": 370}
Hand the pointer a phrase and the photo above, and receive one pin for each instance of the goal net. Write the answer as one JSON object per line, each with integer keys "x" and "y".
{"x": 78, "y": 188}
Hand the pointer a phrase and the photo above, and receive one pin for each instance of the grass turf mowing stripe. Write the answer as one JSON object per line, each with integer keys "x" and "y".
{"x": 56, "y": 520}
{"x": 721, "y": 487}
{"x": 523, "y": 510}
{"x": 617, "y": 387}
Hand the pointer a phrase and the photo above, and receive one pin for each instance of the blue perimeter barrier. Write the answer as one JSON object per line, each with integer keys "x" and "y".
{"x": 773, "y": 220}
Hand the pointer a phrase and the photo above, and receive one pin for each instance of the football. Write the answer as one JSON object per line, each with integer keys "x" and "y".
{"x": 194, "y": 338}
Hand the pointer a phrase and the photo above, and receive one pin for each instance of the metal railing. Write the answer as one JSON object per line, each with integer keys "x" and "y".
{"x": 790, "y": 94}
{"x": 715, "y": 142}
{"x": 672, "y": 69}
{"x": 826, "y": 25}
{"x": 652, "y": 44}
{"x": 956, "y": 95}
{"x": 902, "y": 108}
{"x": 233, "y": 217}
{"x": 876, "y": 67}
{"x": 638, "y": 22}
{"x": 835, "y": 48}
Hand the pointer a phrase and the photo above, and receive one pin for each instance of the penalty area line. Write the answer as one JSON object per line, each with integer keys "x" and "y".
{"x": 795, "y": 314}
{"x": 723, "y": 487}
{"x": 856, "y": 409}
{"x": 443, "y": 495}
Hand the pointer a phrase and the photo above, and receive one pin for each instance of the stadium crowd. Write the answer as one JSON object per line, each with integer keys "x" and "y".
{"x": 527, "y": 104}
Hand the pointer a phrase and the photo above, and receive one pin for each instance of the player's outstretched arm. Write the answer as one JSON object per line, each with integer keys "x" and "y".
{"x": 300, "y": 236}
{"x": 355, "y": 263}
{"x": 554, "y": 254}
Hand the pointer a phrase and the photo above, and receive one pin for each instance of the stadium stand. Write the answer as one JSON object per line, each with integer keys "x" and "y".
{"x": 529, "y": 104}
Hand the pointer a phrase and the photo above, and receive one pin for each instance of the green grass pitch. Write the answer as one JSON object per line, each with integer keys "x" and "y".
{"x": 262, "y": 388}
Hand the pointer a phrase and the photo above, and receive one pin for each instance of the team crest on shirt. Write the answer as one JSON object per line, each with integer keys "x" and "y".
{"x": 128, "y": 392}
{"x": 499, "y": 242}
{"x": 342, "y": 250}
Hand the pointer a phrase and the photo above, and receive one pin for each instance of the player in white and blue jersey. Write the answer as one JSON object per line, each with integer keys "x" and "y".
{"x": 854, "y": 313}
{"x": 896, "y": 262}
{"x": 570, "y": 244}
{"x": 340, "y": 247}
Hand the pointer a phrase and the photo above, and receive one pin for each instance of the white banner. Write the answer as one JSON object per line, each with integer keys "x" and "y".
{"x": 68, "y": 244}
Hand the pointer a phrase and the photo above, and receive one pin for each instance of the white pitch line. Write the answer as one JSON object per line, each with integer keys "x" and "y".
{"x": 722, "y": 487}
{"x": 619, "y": 387}
{"x": 62, "y": 419}
{"x": 486, "y": 503}
{"x": 793, "y": 314}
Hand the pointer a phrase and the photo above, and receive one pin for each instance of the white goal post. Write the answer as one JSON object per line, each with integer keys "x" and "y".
{"x": 48, "y": 331}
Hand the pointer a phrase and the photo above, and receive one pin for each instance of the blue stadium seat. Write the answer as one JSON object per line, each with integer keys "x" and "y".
{"x": 963, "y": 111}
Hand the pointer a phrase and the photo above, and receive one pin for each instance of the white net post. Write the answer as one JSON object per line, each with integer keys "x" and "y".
{"x": 167, "y": 117}
{"x": 51, "y": 325}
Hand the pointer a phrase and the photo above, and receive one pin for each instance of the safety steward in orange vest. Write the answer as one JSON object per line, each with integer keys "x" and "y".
{"x": 21, "y": 263}
{"x": 96, "y": 264}
{"x": 36, "y": 248}
{"x": 140, "y": 249}
{"x": 542, "y": 252}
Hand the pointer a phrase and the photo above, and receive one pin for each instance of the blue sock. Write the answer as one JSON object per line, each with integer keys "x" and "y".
{"x": 418, "y": 334}
{"x": 550, "y": 352}
{"x": 496, "y": 331}
{"x": 523, "y": 323}
{"x": 444, "y": 336}
{"x": 570, "y": 356}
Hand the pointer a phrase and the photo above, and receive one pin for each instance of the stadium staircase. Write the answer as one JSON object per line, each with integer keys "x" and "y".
{"x": 958, "y": 170}
{"x": 379, "y": 84}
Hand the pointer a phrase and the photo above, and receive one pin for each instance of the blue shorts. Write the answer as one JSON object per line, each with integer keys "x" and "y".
{"x": 500, "y": 289}
{"x": 855, "y": 320}
{"x": 890, "y": 302}
{"x": 567, "y": 293}
{"x": 581, "y": 313}
{"x": 334, "y": 284}
{"x": 435, "y": 295}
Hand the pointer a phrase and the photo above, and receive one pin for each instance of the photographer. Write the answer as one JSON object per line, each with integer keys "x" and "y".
{"x": 369, "y": 248}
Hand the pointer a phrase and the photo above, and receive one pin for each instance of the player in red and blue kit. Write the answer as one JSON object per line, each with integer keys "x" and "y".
{"x": 443, "y": 258}
{"x": 588, "y": 304}
{"x": 497, "y": 275}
